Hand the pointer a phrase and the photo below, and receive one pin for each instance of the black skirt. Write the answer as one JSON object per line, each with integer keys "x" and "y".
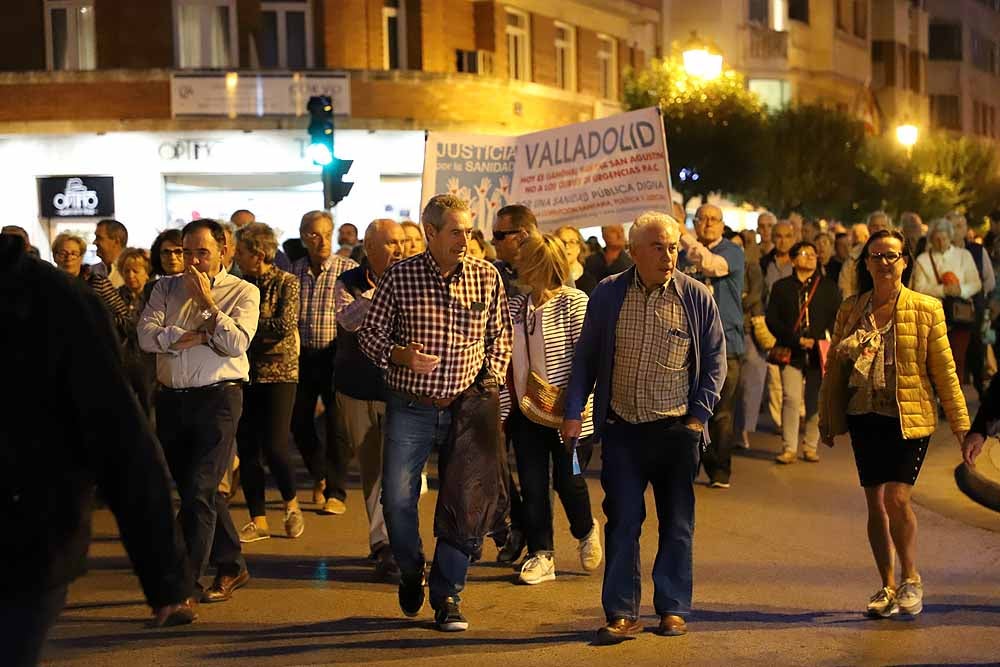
{"x": 881, "y": 453}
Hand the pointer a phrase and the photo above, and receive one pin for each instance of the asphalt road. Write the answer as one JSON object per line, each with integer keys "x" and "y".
{"x": 782, "y": 572}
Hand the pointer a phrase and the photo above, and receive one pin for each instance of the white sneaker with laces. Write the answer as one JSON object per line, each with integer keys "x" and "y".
{"x": 882, "y": 604}
{"x": 253, "y": 533}
{"x": 294, "y": 523}
{"x": 910, "y": 596}
{"x": 537, "y": 569}
{"x": 591, "y": 553}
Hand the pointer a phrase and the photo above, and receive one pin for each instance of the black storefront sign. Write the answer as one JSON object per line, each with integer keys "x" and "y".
{"x": 76, "y": 196}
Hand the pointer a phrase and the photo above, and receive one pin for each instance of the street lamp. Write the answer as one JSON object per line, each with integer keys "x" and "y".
{"x": 907, "y": 134}
{"x": 701, "y": 59}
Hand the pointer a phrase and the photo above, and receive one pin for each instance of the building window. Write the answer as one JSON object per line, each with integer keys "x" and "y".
{"x": 946, "y": 112}
{"x": 206, "y": 33}
{"x": 70, "y": 41}
{"x": 798, "y": 10}
{"x": 286, "y": 34}
{"x": 773, "y": 93}
{"x": 917, "y": 68}
{"x": 840, "y": 14}
{"x": 394, "y": 34}
{"x": 758, "y": 12}
{"x": 984, "y": 52}
{"x": 607, "y": 60}
{"x": 565, "y": 56}
{"x": 944, "y": 41}
{"x": 518, "y": 45}
{"x": 861, "y": 19}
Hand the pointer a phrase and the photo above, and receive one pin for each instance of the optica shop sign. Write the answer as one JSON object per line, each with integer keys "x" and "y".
{"x": 76, "y": 196}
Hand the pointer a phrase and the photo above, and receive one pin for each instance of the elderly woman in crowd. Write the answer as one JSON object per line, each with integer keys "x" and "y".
{"x": 546, "y": 324}
{"x": 68, "y": 251}
{"x": 134, "y": 267}
{"x": 274, "y": 373}
{"x": 415, "y": 243}
{"x": 478, "y": 246}
{"x": 889, "y": 348}
{"x": 949, "y": 274}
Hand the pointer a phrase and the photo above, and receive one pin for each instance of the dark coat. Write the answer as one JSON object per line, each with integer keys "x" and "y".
{"x": 787, "y": 296}
{"x": 72, "y": 421}
{"x": 472, "y": 466}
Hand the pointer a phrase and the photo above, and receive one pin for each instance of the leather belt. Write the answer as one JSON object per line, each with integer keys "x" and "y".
{"x": 429, "y": 402}
{"x": 214, "y": 385}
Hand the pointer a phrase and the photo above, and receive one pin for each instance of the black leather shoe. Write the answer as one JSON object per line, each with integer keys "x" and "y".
{"x": 618, "y": 631}
{"x": 411, "y": 593}
{"x": 385, "y": 564}
{"x": 224, "y": 585}
{"x": 512, "y": 548}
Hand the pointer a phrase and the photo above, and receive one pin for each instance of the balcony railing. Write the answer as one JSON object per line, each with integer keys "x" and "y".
{"x": 766, "y": 44}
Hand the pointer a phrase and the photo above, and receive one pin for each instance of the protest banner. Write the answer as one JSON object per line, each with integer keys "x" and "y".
{"x": 595, "y": 173}
{"x": 474, "y": 167}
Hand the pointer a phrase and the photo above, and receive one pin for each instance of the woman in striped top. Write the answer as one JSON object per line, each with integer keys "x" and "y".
{"x": 546, "y": 323}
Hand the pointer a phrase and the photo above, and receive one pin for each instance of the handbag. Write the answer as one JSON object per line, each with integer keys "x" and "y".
{"x": 956, "y": 309}
{"x": 781, "y": 355}
{"x": 543, "y": 402}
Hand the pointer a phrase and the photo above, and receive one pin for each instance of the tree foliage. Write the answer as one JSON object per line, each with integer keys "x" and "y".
{"x": 711, "y": 126}
{"x": 807, "y": 158}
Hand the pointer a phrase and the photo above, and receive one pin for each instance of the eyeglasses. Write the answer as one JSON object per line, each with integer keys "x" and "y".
{"x": 499, "y": 235}
{"x": 313, "y": 236}
{"x": 67, "y": 254}
{"x": 885, "y": 257}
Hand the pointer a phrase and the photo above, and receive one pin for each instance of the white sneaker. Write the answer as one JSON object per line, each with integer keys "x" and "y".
{"x": 882, "y": 604}
{"x": 591, "y": 553}
{"x": 910, "y": 596}
{"x": 537, "y": 569}
{"x": 253, "y": 533}
{"x": 294, "y": 523}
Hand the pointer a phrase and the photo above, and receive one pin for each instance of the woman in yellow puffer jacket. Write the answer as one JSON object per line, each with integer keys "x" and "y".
{"x": 889, "y": 346}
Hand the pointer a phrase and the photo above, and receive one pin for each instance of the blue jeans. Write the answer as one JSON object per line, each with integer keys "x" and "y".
{"x": 411, "y": 432}
{"x": 663, "y": 453}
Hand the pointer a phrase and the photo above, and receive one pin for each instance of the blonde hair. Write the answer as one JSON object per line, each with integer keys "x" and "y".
{"x": 542, "y": 262}
{"x": 130, "y": 254}
{"x": 67, "y": 237}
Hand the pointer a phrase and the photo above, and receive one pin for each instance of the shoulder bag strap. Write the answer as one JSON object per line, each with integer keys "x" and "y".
{"x": 937, "y": 276}
{"x": 805, "y": 307}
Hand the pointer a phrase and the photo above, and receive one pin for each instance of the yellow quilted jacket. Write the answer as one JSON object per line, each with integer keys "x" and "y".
{"x": 923, "y": 355}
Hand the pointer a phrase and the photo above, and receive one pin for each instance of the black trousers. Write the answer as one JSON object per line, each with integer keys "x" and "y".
{"x": 534, "y": 447}
{"x": 197, "y": 429}
{"x": 718, "y": 457}
{"x": 25, "y": 621}
{"x": 321, "y": 455}
{"x": 263, "y": 433}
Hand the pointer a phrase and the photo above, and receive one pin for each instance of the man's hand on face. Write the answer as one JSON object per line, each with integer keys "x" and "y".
{"x": 199, "y": 287}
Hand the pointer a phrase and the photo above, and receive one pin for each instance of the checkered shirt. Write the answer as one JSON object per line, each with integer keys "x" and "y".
{"x": 651, "y": 380}
{"x": 463, "y": 319}
{"x": 317, "y": 311}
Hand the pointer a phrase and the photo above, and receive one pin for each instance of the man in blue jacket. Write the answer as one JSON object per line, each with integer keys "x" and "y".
{"x": 653, "y": 351}
{"x": 718, "y": 263}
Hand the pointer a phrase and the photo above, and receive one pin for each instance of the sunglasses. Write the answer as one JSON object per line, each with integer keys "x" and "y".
{"x": 886, "y": 257}
{"x": 499, "y": 235}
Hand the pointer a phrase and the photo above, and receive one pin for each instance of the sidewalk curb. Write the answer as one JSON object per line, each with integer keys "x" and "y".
{"x": 980, "y": 483}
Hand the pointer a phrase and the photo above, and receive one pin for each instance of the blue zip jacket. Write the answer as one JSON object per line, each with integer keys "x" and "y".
{"x": 593, "y": 359}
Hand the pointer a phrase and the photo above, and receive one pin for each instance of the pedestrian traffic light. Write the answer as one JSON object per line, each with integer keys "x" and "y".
{"x": 334, "y": 188}
{"x": 320, "y": 129}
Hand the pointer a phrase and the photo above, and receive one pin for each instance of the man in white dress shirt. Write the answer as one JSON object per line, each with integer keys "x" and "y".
{"x": 199, "y": 324}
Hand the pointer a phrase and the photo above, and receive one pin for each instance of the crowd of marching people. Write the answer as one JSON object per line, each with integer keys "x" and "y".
{"x": 513, "y": 359}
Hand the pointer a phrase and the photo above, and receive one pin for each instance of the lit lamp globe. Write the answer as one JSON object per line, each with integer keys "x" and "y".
{"x": 701, "y": 60}
{"x": 907, "y": 135}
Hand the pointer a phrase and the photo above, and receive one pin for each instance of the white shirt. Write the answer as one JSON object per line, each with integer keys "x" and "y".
{"x": 171, "y": 312}
{"x": 533, "y": 342}
{"x": 111, "y": 274}
{"x": 956, "y": 260}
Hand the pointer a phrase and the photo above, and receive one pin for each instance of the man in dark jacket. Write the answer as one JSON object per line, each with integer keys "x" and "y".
{"x": 73, "y": 421}
{"x": 817, "y": 298}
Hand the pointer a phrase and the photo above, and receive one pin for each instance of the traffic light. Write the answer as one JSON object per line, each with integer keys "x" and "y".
{"x": 321, "y": 151}
{"x": 320, "y": 130}
{"x": 334, "y": 188}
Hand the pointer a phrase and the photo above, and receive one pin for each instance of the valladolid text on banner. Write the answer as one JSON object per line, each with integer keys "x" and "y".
{"x": 596, "y": 173}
